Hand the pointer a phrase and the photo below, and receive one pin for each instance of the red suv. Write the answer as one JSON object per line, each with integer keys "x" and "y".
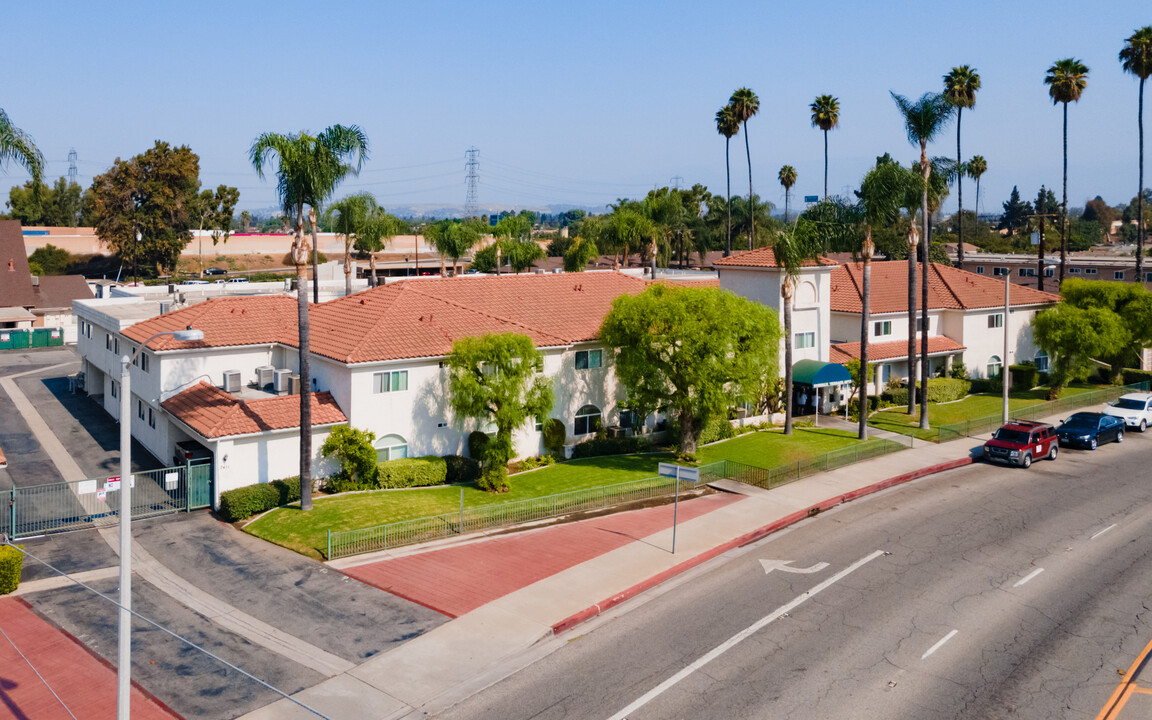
{"x": 1020, "y": 442}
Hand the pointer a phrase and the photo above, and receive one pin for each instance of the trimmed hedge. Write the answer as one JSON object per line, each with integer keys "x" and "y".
{"x": 244, "y": 502}
{"x": 461, "y": 469}
{"x": 11, "y": 563}
{"x": 412, "y": 472}
{"x": 1024, "y": 377}
{"x": 1131, "y": 376}
{"x": 610, "y": 446}
{"x": 985, "y": 385}
{"x": 718, "y": 428}
{"x": 939, "y": 390}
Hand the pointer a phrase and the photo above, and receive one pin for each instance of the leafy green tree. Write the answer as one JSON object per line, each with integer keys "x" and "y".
{"x": 1066, "y": 80}
{"x": 144, "y": 205}
{"x": 353, "y": 449}
{"x": 57, "y": 206}
{"x": 1016, "y": 212}
{"x": 960, "y": 86}
{"x": 727, "y": 125}
{"x": 788, "y": 179}
{"x": 1131, "y": 303}
{"x": 213, "y": 211}
{"x": 1136, "y": 59}
{"x": 51, "y": 259}
{"x": 1100, "y": 211}
{"x": 308, "y": 170}
{"x": 924, "y": 120}
{"x": 753, "y": 217}
{"x": 746, "y": 105}
{"x": 495, "y": 379}
{"x": 15, "y": 144}
{"x": 691, "y": 352}
{"x": 579, "y": 254}
{"x": 826, "y": 116}
{"x": 1072, "y": 337}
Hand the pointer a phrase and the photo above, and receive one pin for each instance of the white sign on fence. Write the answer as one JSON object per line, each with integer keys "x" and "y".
{"x": 171, "y": 480}
{"x": 86, "y": 487}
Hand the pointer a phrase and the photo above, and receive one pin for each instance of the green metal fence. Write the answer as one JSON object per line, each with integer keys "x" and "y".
{"x": 980, "y": 426}
{"x": 83, "y": 504}
{"x": 769, "y": 478}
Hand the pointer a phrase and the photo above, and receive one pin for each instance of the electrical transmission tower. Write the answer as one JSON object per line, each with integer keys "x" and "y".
{"x": 676, "y": 180}
{"x": 471, "y": 203}
{"x": 73, "y": 173}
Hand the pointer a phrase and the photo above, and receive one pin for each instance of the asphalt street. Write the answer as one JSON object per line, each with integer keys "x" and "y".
{"x": 982, "y": 592}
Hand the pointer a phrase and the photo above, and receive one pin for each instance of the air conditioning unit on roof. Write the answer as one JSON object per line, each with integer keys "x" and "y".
{"x": 280, "y": 381}
{"x": 265, "y": 376}
{"x": 293, "y": 384}
{"x": 232, "y": 381}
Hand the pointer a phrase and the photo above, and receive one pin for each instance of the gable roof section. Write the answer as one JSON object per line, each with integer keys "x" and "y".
{"x": 226, "y": 322}
{"x": 15, "y": 279}
{"x": 948, "y": 288}
{"x": 765, "y": 258}
{"x": 58, "y": 291}
{"x": 891, "y": 350}
{"x": 215, "y": 414}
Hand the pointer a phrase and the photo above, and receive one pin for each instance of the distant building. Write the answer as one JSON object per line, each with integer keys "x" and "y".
{"x": 28, "y": 301}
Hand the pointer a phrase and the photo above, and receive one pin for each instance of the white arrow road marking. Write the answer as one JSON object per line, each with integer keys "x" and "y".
{"x": 770, "y": 565}
{"x": 746, "y": 632}
{"x": 939, "y": 644}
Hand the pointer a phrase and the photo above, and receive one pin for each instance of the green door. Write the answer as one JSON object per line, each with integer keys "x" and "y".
{"x": 199, "y": 486}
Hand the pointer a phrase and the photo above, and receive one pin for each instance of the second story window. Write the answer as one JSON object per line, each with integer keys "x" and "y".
{"x": 589, "y": 359}
{"x": 883, "y": 327}
{"x": 996, "y": 320}
{"x": 805, "y": 340}
{"x": 999, "y": 271}
{"x": 1119, "y": 275}
{"x": 394, "y": 381}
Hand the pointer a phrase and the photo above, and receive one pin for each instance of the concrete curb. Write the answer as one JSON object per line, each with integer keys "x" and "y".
{"x": 590, "y": 612}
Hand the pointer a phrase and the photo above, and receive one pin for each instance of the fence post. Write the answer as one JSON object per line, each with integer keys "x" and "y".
{"x": 329, "y": 543}
{"x": 12, "y": 512}
{"x": 460, "y": 530}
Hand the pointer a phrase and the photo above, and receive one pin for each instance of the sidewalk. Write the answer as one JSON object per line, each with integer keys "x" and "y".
{"x": 504, "y": 608}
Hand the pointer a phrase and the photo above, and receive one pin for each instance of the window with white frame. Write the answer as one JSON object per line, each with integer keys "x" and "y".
{"x": 144, "y": 361}
{"x": 979, "y": 269}
{"x": 804, "y": 340}
{"x": 1118, "y": 275}
{"x": 151, "y": 418}
{"x": 999, "y": 271}
{"x": 1148, "y": 277}
{"x": 1049, "y": 272}
{"x": 993, "y": 367}
{"x": 589, "y": 359}
{"x": 392, "y": 381}
{"x": 140, "y": 409}
{"x": 115, "y": 389}
{"x": 882, "y": 327}
{"x": 107, "y": 341}
{"x": 1074, "y": 271}
{"x": 1089, "y": 271}
{"x": 390, "y": 447}
{"x": 996, "y": 320}
{"x": 587, "y": 420}
{"x": 1023, "y": 272}
{"x": 1041, "y": 361}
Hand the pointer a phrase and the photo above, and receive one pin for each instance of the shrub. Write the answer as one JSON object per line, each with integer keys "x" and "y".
{"x": 11, "y": 563}
{"x": 494, "y": 476}
{"x": 947, "y": 389}
{"x": 1024, "y": 376}
{"x": 412, "y": 472}
{"x": 610, "y": 446}
{"x": 718, "y": 428}
{"x": 341, "y": 483}
{"x": 958, "y": 370}
{"x": 685, "y": 457}
{"x": 555, "y": 435}
{"x": 477, "y": 442}
{"x": 985, "y": 385}
{"x": 1131, "y": 376}
{"x": 353, "y": 449}
{"x": 460, "y": 469}
{"x": 896, "y": 395}
{"x": 249, "y": 500}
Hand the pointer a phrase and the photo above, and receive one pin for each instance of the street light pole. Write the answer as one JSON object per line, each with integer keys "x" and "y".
{"x": 1005, "y": 376}
{"x": 124, "y": 639}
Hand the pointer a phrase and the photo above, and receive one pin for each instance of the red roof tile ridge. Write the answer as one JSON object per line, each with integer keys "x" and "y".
{"x": 510, "y": 321}
{"x": 947, "y": 285}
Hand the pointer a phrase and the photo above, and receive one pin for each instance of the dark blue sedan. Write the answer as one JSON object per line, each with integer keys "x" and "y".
{"x": 1090, "y": 429}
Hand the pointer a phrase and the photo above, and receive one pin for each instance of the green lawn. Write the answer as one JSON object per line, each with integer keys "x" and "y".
{"x": 306, "y": 533}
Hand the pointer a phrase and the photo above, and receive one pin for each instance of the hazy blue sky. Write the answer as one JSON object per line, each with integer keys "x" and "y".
{"x": 577, "y": 102}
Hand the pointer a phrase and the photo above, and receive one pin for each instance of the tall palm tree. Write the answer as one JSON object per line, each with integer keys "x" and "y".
{"x": 826, "y": 116}
{"x": 1066, "y": 80}
{"x": 1136, "y": 58}
{"x": 727, "y": 125}
{"x": 924, "y": 119}
{"x": 308, "y": 170}
{"x": 976, "y": 167}
{"x": 792, "y": 249}
{"x": 15, "y": 144}
{"x": 348, "y": 217}
{"x": 788, "y": 179}
{"x": 378, "y": 230}
{"x": 745, "y": 105}
{"x": 960, "y": 86}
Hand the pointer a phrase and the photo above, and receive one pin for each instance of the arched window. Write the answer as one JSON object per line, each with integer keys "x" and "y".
{"x": 587, "y": 420}
{"x": 391, "y": 447}
{"x": 993, "y": 366}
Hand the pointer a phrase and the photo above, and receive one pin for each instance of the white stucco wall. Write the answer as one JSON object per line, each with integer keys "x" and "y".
{"x": 810, "y": 306}
{"x": 983, "y": 342}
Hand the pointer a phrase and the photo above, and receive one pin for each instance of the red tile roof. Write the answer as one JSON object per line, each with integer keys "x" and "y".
{"x": 226, "y": 321}
{"x": 763, "y": 257}
{"x": 214, "y": 413}
{"x": 892, "y": 350}
{"x": 948, "y": 287}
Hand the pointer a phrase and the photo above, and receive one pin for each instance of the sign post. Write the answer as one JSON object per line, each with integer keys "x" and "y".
{"x": 679, "y": 472}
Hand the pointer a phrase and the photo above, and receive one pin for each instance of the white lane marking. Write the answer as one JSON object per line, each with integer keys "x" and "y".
{"x": 746, "y": 632}
{"x": 939, "y": 644}
{"x": 770, "y": 565}
{"x": 1102, "y": 531}
{"x": 1028, "y": 577}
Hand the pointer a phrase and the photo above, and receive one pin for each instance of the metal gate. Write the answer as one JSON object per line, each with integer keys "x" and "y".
{"x": 95, "y": 502}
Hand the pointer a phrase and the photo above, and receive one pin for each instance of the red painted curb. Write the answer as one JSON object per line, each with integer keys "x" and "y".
{"x": 588, "y": 613}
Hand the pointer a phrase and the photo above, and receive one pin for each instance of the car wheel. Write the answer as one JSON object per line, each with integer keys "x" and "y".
{"x": 1120, "y": 435}
{"x": 1092, "y": 444}
{"x": 1052, "y": 451}
{"x": 1026, "y": 461}
{"x": 1143, "y": 426}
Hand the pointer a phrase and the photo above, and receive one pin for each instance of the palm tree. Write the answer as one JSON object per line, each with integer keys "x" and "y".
{"x": 727, "y": 125}
{"x": 1066, "y": 80}
{"x": 923, "y": 121}
{"x": 15, "y": 144}
{"x": 348, "y": 217}
{"x": 788, "y": 179}
{"x": 826, "y": 116}
{"x": 960, "y": 86}
{"x": 1136, "y": 58}
{"x": 976, "y": 167}
{"x": 308, "y": 170}
{"x": 379, "y": 229}
{"x": 745, "y": 104}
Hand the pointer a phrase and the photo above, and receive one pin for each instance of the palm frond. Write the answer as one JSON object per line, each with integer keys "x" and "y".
{"x": 17, "y": 145}
{"x": 925, "y": 118}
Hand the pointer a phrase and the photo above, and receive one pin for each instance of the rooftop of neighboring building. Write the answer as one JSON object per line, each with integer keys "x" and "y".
{"x": 890, "y": 350}
{"x": 765, "y": 258}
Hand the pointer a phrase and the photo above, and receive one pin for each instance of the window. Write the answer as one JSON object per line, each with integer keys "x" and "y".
{"x": 151, "y": 418}
{"x": 1118, "y": 275}
{"x": 1041, "y": 361}
{"x": 588, "y": 359}
{"x": 625, "y": 418}
{"x": 115, "y": 389}
{"x": 1089, "y": 271}
{"x": 539, "y": 424}
{"x": 920, "y": 326}
{"x": 996, "y": 320}
{"x": 116, "y": 345}
{"x": 393, "y": 381}
{"x": 1147, "y": 277}
{"x": 884, "y": 327}
{"x": 1074, "y": 271}
{"x": 999, "y": 271}
{"x": 88, "y": 330}
{"x": 993, "y": 366}
{"x": 144, "y": 361}
{"x": 1024, "y": 272}
{"x": 107, "y": 341}
{"x": 441, "y": 424}
{"x": 140, "y": 409}
{"x": 1049, "y": 272}
{"x": 979, "y": 269}
{"x": 805, "y": 340}
{"x": 885, "y": 373}
{"x": 391, "y": 447}
{"x": 587, "y": 420}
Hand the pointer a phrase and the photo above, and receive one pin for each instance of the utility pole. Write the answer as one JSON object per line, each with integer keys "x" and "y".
{"x": 1040, "y": 247}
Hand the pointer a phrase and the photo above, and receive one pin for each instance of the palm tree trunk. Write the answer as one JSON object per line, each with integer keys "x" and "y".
{"x": 728, "y": 196}
{"x": 751, "y": 197}
{"x": 787, "y": 192}
{"x": 825, "y": 164}
{"x": 372, "y": 267}
{"x": 1140, "y": 193}
{"x": 347, "y": 267}
{"x": 865, "y": 320}
{"x": 1040, "y": 259}
{"x": 300, "y": 258}
{"x": 924, "y": 295}
{"x": 786, "y": 293}
{"x": 1063, "y": 206}
{"x": 912, "y": 326}
{"x": 959, "y": 197}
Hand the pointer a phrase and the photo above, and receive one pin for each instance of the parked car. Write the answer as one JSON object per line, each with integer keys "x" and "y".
{"x": 1022, "y": 441}
{"x": 195, "y": 282}
{"x": 1135, "y": 409}
{"x": 238, "y": 280}
{"x": 215, "y": 271}
{"x": 1090, "y": 429}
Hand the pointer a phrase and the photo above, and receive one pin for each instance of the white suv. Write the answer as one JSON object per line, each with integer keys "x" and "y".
{"x": 1134, "y": 408}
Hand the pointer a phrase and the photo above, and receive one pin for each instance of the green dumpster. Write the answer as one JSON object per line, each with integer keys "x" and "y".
{"x": 39, "y": 337}
{"x": 55, "y": 336}
{"x": 19, "y": 339}
{"x": 6, "y": 338}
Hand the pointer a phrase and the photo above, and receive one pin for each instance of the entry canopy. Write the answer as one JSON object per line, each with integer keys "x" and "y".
{"x": 819, "y": 374}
